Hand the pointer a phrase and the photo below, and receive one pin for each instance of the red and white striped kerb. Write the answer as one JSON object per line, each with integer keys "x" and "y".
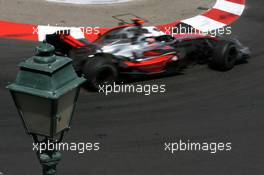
{"x": 223, "y": 13}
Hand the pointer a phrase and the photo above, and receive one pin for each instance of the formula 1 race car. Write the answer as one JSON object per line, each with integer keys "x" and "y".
{"x": 132, "y": 49}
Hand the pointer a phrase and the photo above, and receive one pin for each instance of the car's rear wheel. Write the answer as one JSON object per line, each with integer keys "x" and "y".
{"x": 224, "y": 57}
{"x": 99, "y": 71}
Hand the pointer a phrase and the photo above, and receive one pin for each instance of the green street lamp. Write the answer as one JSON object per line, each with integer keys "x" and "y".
{"x": 45, "y": 93}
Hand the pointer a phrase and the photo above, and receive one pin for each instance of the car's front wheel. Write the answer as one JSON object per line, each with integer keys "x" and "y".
{"x": 224, "y": 57}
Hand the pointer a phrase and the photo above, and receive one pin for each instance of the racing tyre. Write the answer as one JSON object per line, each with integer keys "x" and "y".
{"x": 224, "y": 57}
{"x": 99, "y": 70}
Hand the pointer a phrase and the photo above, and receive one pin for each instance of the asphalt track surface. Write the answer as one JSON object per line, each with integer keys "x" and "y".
{"x": 201, "y": 105}
{"x": 56, "y": 14}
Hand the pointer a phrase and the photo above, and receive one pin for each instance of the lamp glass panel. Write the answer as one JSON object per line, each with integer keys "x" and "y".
{"x": 65, "y": 108}
{"x": 35, "y": 112}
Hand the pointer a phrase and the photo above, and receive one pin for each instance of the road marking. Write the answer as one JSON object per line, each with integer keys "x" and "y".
{"x": 223, "y": 13}
{"x": 230, "y": 7}
{"x": 203, "y": 23}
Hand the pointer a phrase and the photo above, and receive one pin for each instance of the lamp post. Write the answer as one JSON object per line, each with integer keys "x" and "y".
{"x": 45, "y": 93}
